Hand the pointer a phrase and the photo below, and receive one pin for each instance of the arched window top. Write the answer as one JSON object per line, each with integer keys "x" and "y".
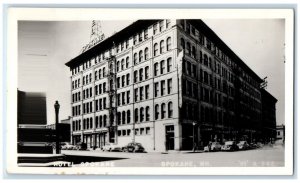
{"x": 146, "y": 52}
{"x": 162, "y": 46}
{"x": 155, "y": 49}
{"x": 140, "y": 55}
{"x": 168, "y": 43}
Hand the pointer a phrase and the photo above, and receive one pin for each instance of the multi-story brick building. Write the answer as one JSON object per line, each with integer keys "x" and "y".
{"x": 167, "y": 84}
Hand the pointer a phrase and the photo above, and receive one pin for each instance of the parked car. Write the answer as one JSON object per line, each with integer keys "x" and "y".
{"x": 133, "y": 147}
{"x": 230, "y": 146}
{"x": 243, "y": 145}
{"x": 67, "y": 146}
{"x": 253, "y": 146}
{"x": 81, "y": 146}
{"x": 213, "y": 146}
{"x": 111, "y": 147}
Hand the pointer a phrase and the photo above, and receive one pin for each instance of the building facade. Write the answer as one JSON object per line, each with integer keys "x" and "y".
{"x": 268, "y": 116}
{"x": 168, "y": 84}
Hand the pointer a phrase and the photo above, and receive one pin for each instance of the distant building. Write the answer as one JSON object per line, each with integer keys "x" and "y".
{"x": 33, "y": 136}
{"x": 168, "y": 84}
{"x": 280, "y": 134}
{"x": 64, "y": 130}
{"x": 32, "y": 108}
{"x": 268, "y": 116}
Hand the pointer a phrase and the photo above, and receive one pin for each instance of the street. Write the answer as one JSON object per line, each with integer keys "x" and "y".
{"x": 262, "y": 157}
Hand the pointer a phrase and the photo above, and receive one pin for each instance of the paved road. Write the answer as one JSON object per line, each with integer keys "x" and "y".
{"x": 263, "y": 157}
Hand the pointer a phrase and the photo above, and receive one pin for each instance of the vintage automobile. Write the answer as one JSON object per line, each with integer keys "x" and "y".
{"x": 133, "y": 147}
{"x": 243, "y": 145}
{"x": 81, "y": 146}
{"x": 68, "y": 146}
{"x": 230, "y": 146}
{"x": 213, "y": 146}
{"x": 111, "y": 147}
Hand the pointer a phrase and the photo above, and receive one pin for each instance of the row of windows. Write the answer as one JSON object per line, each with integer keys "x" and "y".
{"x": 87, "y": 79}
{"x": 162, "y": 87}
{"x": 122, "y": 46}
{"x": 161, "y": 26}
{"x": 100, "y": 88}
{"x": 143, "y": 35}
{"x": 142, "y": 56}
{"x": 76, "y": 97}
{"x": 139, "y": 37}
{"x": 76, "y": 110}
{"x": 124, "y": 132}
{"x": 162, "y": 46}
{"x": 162, "y": 66}
{"x": 121, "y": 65}
{"x": 100, "y": 104}
{"x": 190, "y": 111}
{"x": 88, "y": 92}
{"x": 123, "y": 98}
{"x": 121, "y": 80}
{"x": 138, "y": 75}
{"x": 87, "y": 123}
{"x": 141, "y": 93}
{"x": 142, "y": 131}
{"x": 123, "y": 117}
{"x": 100, "y": 73}
{"x": 218, "y": 52}
{"x": 87, "y": 107}
{"x": 76, "y": 125}
{"x": 76, "y": 83}
{"x": 162, "y": 111}
{"x": 139, "y": 114}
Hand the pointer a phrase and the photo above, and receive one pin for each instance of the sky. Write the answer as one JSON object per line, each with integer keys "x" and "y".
{"x": 45, "y": 47}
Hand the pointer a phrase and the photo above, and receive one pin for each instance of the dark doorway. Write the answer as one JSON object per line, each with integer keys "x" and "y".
{"x": 170, "y": 137}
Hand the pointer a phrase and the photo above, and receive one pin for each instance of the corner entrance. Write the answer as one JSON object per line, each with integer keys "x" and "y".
{"x": 170, "y": 137}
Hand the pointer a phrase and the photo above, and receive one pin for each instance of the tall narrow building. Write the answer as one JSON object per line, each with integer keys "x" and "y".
{"x": 167, "y": 84}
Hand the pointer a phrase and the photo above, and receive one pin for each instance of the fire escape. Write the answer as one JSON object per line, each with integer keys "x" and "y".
{"x": 112, "y": 93}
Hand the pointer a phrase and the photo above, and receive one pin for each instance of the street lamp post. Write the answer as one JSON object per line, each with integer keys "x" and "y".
{"x": 56, "y": 107}
{"x": 194, "y": 145}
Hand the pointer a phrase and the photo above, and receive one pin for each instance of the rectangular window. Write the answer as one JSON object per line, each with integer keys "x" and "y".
{"x": 127, "y": 79}
{"x": 123, "y": 98}
{"x": 146, "y": 34}
{"x": 128, "y": 97}
{"x": 140, "y": 36}
{"x": 169, "y": 64}
{"x": 146, "y": 72}
{"x": 163, "y": 87}
{"x": 154, "y": 29}
{"x": 169, "y": 86}
{"x": 134, "y": 40}
{"x": 147, "y": 91}
{"x": 168, "y": 23}
{"x": 136, "y": 94}
{"x": 123, "y": 81}
{"x": 156, "y": 89}
{"x": 161, "y": 25}
{"x": 100, "y": 103}
{"x": 104, "y": 103}
{"x": 135, "y": 76}
{"x": 141, "y": 93}
{"x": 142, "y": 131}
{"x": 118, "y": 82}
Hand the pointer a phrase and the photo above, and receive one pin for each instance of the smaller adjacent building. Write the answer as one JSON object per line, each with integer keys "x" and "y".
{"x": 280, "y": 133}
{"x": 64, "y": 130}
{"x": 268, "y": 116}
